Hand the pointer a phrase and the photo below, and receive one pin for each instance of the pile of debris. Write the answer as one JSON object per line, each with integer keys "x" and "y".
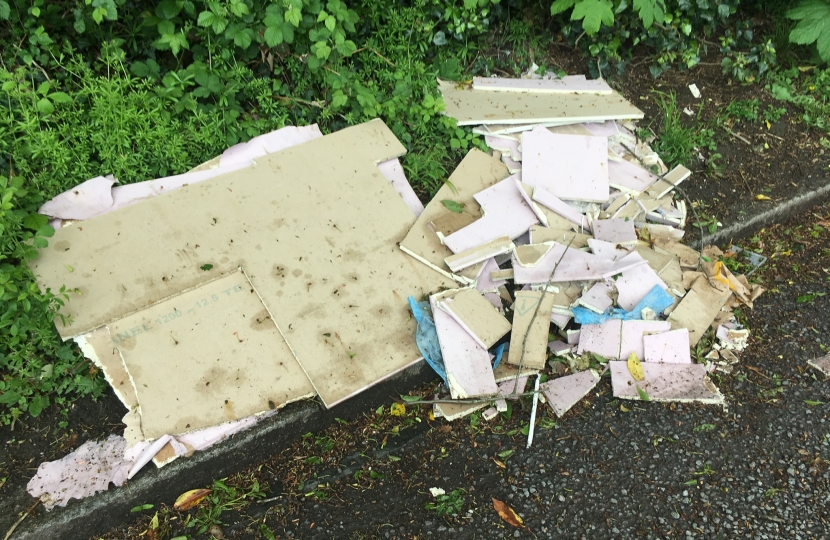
{"x": 281, "y": 270}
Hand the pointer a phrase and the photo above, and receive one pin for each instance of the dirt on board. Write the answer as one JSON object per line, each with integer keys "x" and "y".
{"x": 777, "y": 159}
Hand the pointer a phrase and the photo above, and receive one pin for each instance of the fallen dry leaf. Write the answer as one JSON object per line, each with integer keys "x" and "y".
{"x": 507, "y": 514}
{"x": 760, "y": 197}
{"x": 499, "y": 463}
{"x": 189, "y": 499}
{"x": 635, "y": 367}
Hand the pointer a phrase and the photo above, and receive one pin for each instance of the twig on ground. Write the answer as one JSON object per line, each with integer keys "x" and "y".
{"x": 19, "y": 521}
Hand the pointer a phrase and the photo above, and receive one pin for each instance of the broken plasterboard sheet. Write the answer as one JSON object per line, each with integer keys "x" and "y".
{"x": 698, "y": 309}
{"x": 485, "y": 282}
{"x": 635, "y": 283}
{"x": 268, "y": 143}
{"x": 505, "y": 214}
{"x": 476, "y": 172}
{"x": 572, "y": 167}
{"x": 507, "y": 146}
{"x": 616, "y": 231}
{"x": 554, "y": 203}
{"x": 665, "y": 382}
{"x": 86, "y": 471}
{"x": 470, "y": 107}
{"x": 264, "y": 217}
{"x": 631, "y": 336}
{"x": 628, "y": 177}
{"x": 467, "y": 364}
{"x": 599, "y": 297}
{"x": 535, "y": 351}
{"x": 555, "y": 86}
{"x": 541, "y": 235}
{"x": 607, "y": 250}
{"x": 99, "y": 348}
{"x": 602, "y": 339}
{"x": 480, "y": 253}
{"x": 506, "y": 371}
{"x": 667, "y": 347}
{"x": 575, "y": 265}
{"x": 822, "y": 364}
{"x": 689, "y": 258}
{"x": 454, "y": 411}
{"x": 664, "y": 185}
{"x": 563, "y": 393}
{"x": 207, "y": 356}
{"x": 81, "y": 202}
{"x": 477, "y": 316}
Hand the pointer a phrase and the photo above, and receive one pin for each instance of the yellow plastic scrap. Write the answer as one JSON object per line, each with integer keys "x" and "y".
{"x": 635, "y": 367}
{"x": 718, "y": 275}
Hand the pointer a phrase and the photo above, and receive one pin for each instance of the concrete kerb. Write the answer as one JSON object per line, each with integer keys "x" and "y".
{"x": 82, "y": 519}
{"x": 95, "y": 515}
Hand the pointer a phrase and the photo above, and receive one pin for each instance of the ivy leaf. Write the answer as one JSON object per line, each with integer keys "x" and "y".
{"x": 593, "y": 13}
{"x": 650, "y": 11}
{"x": 813, "y": 25}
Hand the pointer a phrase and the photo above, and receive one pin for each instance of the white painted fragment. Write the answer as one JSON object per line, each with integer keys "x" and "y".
{"x": 563, "y": 393}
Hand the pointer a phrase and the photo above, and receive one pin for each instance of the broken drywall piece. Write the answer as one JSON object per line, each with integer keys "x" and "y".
{"x": 554, "y": 203}
{"x": 822, "y": 364}
{"x": 467, "y": 364}
{"x": 507, "y": 146}
{"x": 602, "y": 339}
{"x": 698, "y": 309}
{"x": 629, "y": 177}
{"x": 635, "y": 283}
{"x": 599, "y": 297}
{"x": 86, "y": 471}
{"x": 98, "y": 347}
{"x": 528, "y": 344}
{"x": 488, "y": 279}
{"x": 656, "y": 301}
{"x": 615, "y": 230}
{"x": 505, "y": 214}
{"x": 477, "y": 316}
{"x": 668, "y": 182}
{"x": 555, "y": 86}
{"x": 542, "y": 235}
{"x": 81, "y": 202}
{"x": 480, "y": 253}
{"x": 694, "y": 90}
{"x": 563, "y": 393}
{"x": 476, "y": 172}
{"x": 573, "y": 167}
{"x": 632, "y": 335}
{"x": 689, "y": 258}
{"x": 608, "y": 250}
{"x": 574, "y": 265}
{"x": 559, "y": 348}
{"x": 560, "y": 320}
{"x": 665, "y": 382}
{"x": 732, "y": 338}
{"x": 472, "y": 107}
{"x": 454, "y": 411}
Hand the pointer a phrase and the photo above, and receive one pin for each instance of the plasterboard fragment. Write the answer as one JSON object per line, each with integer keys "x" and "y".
{"x": 540, "y": 235}
{"x": 559, "y": 347}
{"x": 467, "y": 364}
{"x": 570, "y": 167}
{"x": 635, "y": 283}
{"x": 664, "y": 185}
{"x": 560, "y": 320}
{"x": 476, "y": 172}
{"x": 573, "y": 336}
{"x": 599, "y": 297}
{"x": 507, "y": 372}
{"x": 477, "y": 316}
{"x": 822, "y": 364}
{"x": 575, "y": 265}
{"x": 392, "y": 170}
{"x": 480, "y": 253}
{"x": 450, "y": 222}
{"x": 471, "y": 107}
{"x": 665, "y": 382}
{"x": 505, "y": 214}
{"x": 616, "y": 231}
{"x": 99, "y": 348}
{"x": 633, "y": 332}
{"x": 525, "y": 306}
{"x": 556, "y": 86}
{"x": 502, "y": 274}
{"x": 563, "y": 393}
{"x": 81, "y": 202}
{"x": 607, "y": 250}
{"x": 602, "y": 339}
{"x": 507, "y": 146}
{"x": 454, "y": 411}
{"x": 628, "y": 177}
{"x": 689, "y": 258}
{"x": 554, "y": 203}
{"x": 698, "y": 309}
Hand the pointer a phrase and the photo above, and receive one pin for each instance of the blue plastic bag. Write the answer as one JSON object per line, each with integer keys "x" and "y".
{"x": 426, "y": 337}
{"x": 657, "y": 299}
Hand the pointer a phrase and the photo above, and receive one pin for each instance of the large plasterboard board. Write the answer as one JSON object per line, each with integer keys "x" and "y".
{"x": 207, "y": 356}
{"x": 471, "y": 107}
{"x": 314, "y": 226}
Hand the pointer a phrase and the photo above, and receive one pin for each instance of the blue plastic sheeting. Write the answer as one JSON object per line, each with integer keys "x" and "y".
{"x": 498, "y": 351}
{"x": 658, "y": 299}
{"x": 426, "y": 337}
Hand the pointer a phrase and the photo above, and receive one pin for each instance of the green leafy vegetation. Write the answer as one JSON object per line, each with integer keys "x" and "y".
{"x": 813, "y": 26}
{"x": 447, "y": 503}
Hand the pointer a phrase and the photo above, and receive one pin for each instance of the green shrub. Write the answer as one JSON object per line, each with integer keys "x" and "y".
{"x": 813, "y": 26}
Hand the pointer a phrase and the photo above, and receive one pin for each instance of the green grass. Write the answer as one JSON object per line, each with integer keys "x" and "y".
{"x": 678, "y": 139}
